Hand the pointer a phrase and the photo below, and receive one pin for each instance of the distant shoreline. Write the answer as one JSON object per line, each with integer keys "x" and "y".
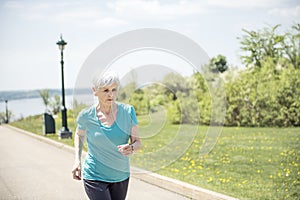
{"x": 30, "y": 94}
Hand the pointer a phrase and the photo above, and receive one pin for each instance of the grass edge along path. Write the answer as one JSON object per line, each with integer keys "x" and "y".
{"x": 247, "y": 163}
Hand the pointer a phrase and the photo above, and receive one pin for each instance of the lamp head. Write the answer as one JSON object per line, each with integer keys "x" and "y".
{"x": 61, "y": 44}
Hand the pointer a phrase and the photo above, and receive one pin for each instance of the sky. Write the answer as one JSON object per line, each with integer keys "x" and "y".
{"x": 30, "y": 58}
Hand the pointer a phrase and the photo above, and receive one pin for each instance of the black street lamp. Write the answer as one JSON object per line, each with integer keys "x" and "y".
{"x": 64, "y": 131}
{"x": 6, "y": 120}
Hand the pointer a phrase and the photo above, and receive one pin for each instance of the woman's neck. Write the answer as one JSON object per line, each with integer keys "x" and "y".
{"x": 106, "y": 108}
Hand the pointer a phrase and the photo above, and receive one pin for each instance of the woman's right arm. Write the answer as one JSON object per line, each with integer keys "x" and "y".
{"x": 78, "y": 145}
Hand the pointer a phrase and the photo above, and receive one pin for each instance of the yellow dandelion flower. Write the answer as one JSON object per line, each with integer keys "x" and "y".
{"x": 192, "y": 162}
{"x": 294, "y": 164}
{"x": 270, "y": 176}
{"x": 210, "y": 179}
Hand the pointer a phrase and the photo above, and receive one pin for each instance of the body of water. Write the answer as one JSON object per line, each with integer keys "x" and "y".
{"x": 28, "y": 107}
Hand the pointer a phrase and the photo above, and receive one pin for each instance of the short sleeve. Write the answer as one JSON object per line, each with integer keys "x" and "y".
{"x": 133, "y": 116}
{"x": 81, "y": 121}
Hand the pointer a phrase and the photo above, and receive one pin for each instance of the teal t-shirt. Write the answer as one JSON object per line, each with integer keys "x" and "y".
{"x": 104, "y": 162}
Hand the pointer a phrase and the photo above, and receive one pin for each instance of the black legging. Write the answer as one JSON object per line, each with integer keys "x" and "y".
{"x": 98, "y": 190}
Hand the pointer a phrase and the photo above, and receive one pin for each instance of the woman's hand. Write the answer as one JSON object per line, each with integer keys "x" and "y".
{"x": 76, "y": 171}
{"x": 125, "y": 149}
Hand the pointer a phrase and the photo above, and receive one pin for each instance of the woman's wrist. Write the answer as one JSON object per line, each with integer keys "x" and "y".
{"x": 132, "y": 148}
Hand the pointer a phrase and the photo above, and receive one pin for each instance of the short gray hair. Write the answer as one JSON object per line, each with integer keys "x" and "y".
{"x": 105, "y": 79}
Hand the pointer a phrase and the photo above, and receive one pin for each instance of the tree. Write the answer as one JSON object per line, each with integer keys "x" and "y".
{"x": 175, "y": 83}
{"x": 287, "y": 98}
{"x": 291, "y": 46}
{"x": 140, "y": 102}
{"x": 126, "y": 91}
{"x": 55, "y": 104}
{"x": 199, "y": 89}
{"x": 218, "y": 64}
{"x": 264, "y": 97}
{"x": 3, "y": 117}
{"x": 261, "y": 44}
{"x": 45, "y": 95}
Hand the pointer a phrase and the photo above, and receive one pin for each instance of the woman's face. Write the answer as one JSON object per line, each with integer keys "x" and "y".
{"x": 107, "y": 94}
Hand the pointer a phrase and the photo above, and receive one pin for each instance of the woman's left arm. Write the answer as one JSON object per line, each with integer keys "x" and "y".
{"x": 135, "y": 141}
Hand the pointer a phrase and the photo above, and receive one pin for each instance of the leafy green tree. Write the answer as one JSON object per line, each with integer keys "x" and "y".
{"x": 199, "y": 90}
{"x": 268, "y": 94}
{"x": 188, "y": 108}
{"x": 198, "y": 83}
{"x": 140, "y": 102}
{"x": 264, "y": 97}
{"x": 218, "y": 64}
{"x": 291, "y": 46}
{"x": 157, "y": 96}
{"x": 258, "y": 45}
{"x": 250, "y": 98}
{"x": 175, "y": 83}
{"x": 287, "y": 98}
{"x": 125, "y": 92}
{"x": 174, "y": 112}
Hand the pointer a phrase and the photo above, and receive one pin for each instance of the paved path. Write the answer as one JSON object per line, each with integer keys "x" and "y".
{"x": 31, "y": 169}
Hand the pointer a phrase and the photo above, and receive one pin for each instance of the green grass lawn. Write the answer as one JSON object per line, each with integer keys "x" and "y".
{"x": 247, "y": 163}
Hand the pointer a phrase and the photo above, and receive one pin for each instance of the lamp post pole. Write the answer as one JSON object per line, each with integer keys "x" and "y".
{"x": 64, "y": 132}
{"x": 6, "y": 111}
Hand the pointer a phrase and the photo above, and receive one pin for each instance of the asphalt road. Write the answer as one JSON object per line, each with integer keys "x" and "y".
{"x": 31, "y": 169}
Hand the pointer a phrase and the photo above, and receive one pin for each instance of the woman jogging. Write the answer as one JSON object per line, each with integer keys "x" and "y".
{"x": 111, "y": 132}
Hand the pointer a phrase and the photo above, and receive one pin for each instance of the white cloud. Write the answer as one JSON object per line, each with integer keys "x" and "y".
{"x": 124, "y": 12}
{"x": 13, "y": 5}
{"x": 110, "y": 21}
{"x": 76, "y": 13}
{"x": 156, "y": 9}
{"x": 286, "y": 12}
{"x": 246, "y": 4}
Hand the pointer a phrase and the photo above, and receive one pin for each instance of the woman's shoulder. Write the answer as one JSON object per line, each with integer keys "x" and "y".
{"x": 127, "y": 112}
{"x": 86, "y": 111}
{"x": 125, "y": 106}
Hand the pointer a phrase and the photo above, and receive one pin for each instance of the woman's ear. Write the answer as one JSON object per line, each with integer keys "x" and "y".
{"x": 94, "y": 91}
